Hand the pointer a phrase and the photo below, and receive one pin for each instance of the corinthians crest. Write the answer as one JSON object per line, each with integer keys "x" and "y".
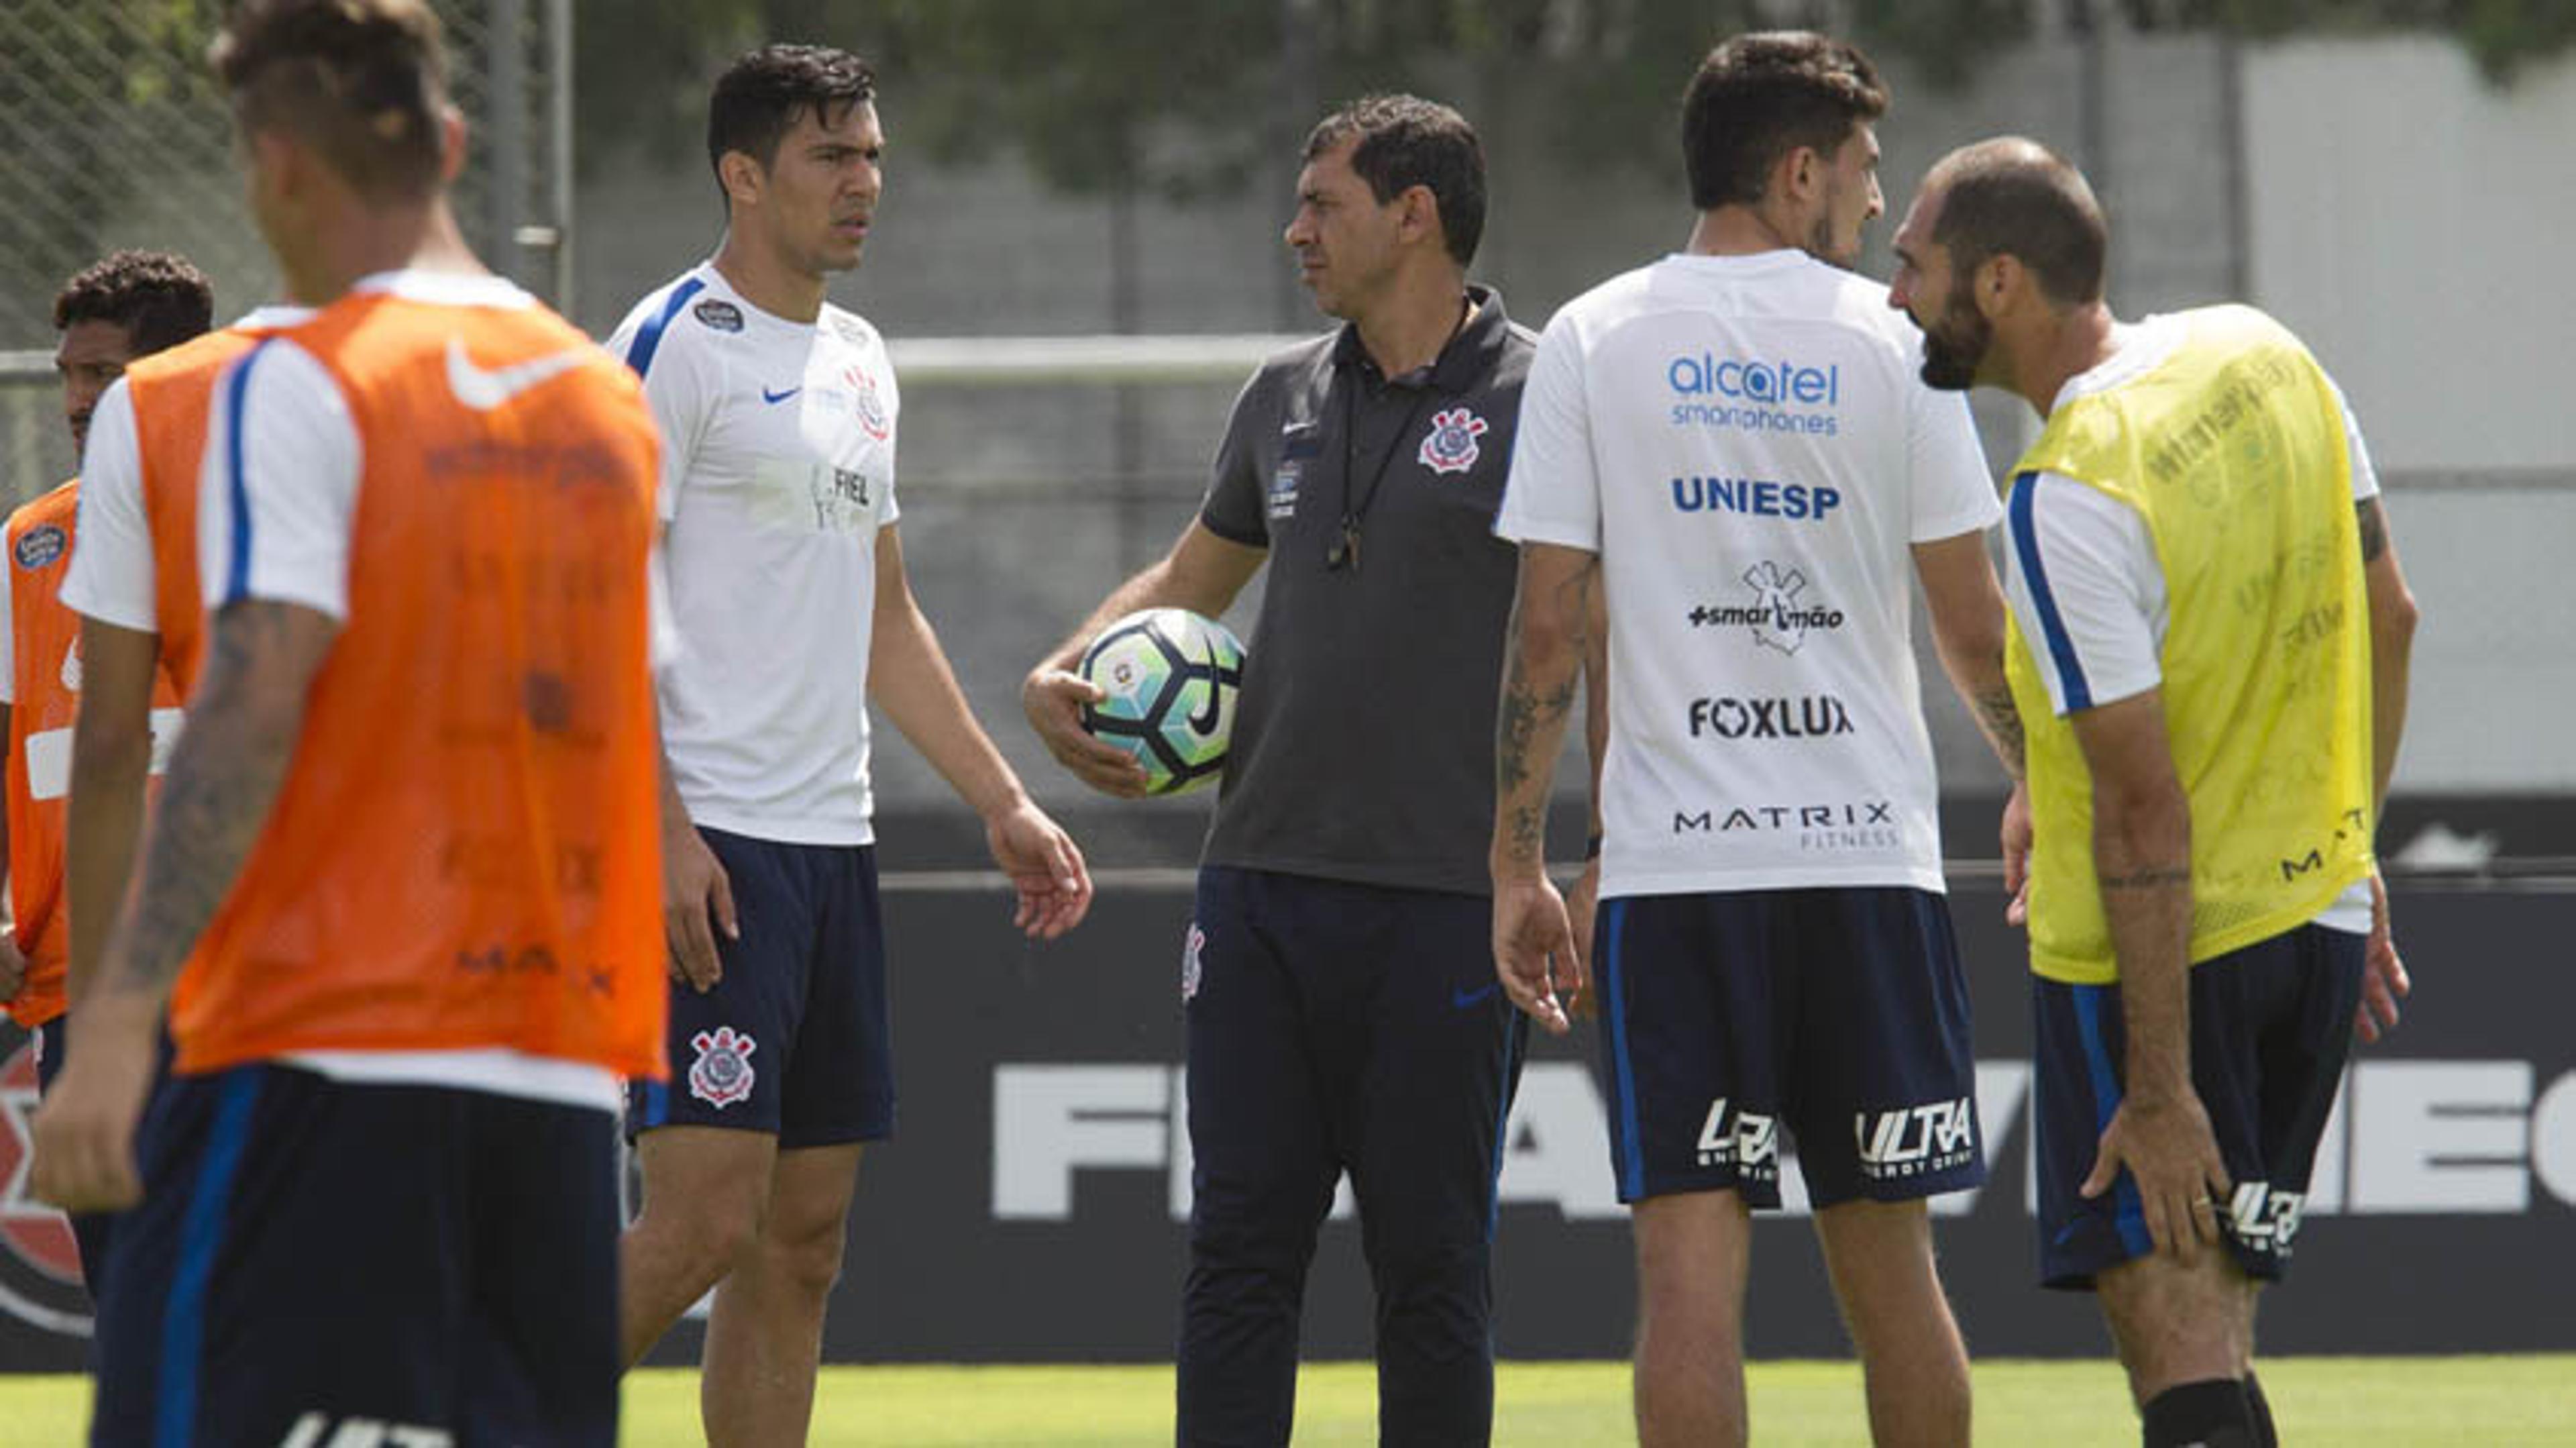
{"x": 721, "y": 1075}
{"x": 1450, "y": 447}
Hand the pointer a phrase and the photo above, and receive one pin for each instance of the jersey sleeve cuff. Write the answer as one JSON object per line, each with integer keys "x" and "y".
{"x": 1249, "y": 538}
{"x": 88, "y": 603}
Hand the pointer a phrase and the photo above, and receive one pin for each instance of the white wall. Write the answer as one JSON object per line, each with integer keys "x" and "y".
{"x": 2414, "y": 224}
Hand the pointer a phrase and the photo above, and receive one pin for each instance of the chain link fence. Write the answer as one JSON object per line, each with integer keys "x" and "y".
{"x": 118, "y": 136}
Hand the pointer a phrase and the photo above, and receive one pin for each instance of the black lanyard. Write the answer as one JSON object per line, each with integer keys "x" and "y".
{"x": 1345, "y": 547}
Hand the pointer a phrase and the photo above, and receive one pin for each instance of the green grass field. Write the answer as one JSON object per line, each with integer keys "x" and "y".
{"x": 2488, "y": 1401}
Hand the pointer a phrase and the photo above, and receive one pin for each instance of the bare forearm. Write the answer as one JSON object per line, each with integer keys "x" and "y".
{"x": 2142, "y": 856}
{"x": 2393, "y": 616}
{"x": 1596, "y": 711}
{"x": 1967, "y": 613}
{"x": 910, "y": 679}
{"x": 2387, "y": 723}
{"x": 224, "y": 779}
{"x": 1153, "y": 586}
{"x": 1983, "y": 687}
{"x": 105, "y": 816}
{"x": 1549, "y": 641}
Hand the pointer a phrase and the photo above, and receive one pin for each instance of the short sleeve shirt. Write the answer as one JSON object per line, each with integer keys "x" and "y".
{"x": 1363, "y": 745}
{"x": 778, "y": 463}
{"x": 114, "y": 573}
{"x": 1748, "y": 445}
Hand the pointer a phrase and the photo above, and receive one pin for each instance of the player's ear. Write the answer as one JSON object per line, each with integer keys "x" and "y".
{"x": 1798, "y": 174}
{"x": 1998, "y": 283}
{"x": 743, "y": 177}
{"x": 1419, "y": 214}
{"x": 451, "y": 144}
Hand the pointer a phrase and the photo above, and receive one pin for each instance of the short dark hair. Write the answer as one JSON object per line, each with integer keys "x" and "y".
{"x": 363, "y": 82}
{"x": 1759, "y": 97}
{"x": 759, "y": 96}
{"x": 158, "y": 298}
{"x": 2012, "y": 196}
{"x": 1406, "y": 141}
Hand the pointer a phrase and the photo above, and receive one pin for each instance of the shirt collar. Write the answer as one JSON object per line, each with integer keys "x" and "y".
{"x": 1468, "y": 356}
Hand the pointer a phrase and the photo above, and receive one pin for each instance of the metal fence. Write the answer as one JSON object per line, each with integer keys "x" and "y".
{"x": 117, "y": 136}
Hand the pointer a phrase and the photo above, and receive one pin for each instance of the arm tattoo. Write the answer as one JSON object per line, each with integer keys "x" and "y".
{"x": 224, "y": 777}
{"x": 2374, "y": 529}
{"x": 1524, "y": 714}
{"x": 1524, "y": 711}
{"x": 2151, "y": 877}
{"x": 1529, "y": 830}
{"x": 2002, "y": 718}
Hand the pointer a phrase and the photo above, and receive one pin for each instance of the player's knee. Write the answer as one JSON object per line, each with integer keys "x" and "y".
{"x": 1427, "y": 1268}
{"x": 711, "y": 1229}
{"x": 806, "y": 1255}
{"x": 1263, "y": 1241}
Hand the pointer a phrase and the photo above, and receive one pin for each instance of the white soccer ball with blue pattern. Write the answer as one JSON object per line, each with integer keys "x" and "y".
{"x": 1170, "y": 678}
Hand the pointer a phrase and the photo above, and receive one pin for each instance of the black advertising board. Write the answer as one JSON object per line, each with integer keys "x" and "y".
{"x": 1031, "y": 1205}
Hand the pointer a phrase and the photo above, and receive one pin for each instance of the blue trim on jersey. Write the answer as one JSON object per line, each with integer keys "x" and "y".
{"x": 183, "y": 1325}
{"x": 2130, "y": 1215}
{"x": 1632, "y": 1153}
{"x": 657, "y": 1103}
{"x": 2061, "y": 650}
{"x": 648, "y": 338}
{"x": 237, "y": 578}
{"x": 1502, "y": 1121}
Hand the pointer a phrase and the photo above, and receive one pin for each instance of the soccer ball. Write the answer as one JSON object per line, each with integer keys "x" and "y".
{"x": 1171, "y": 677}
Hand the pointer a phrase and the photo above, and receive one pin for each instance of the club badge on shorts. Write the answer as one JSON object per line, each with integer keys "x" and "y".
{"x": 1190, "y": 948}
{"x": 722, "y": 1073}
{"x": 1450, "y": 446}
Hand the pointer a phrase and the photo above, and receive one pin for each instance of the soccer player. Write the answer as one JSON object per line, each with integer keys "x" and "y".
{"x": 788, "y": 588}
{"x": 117, "y": 310}
{"x": 1730, "y": 444}
{"x": 1339, "y": 1013}
{"x": 2211, "y": 642}
{"x": 409, "y": 833}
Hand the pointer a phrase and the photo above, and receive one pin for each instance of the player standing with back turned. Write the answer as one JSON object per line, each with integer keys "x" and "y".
{"x": 1730, "y": 447}
{"x": 406, "y": 848}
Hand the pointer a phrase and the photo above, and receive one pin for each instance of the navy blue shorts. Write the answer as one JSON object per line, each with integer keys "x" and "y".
{"x": 309, "y": 1254}
{"x": 794, "y": 1040}
{"x": 1838, "y": 1014}
{"x": 2271, "y": 1028}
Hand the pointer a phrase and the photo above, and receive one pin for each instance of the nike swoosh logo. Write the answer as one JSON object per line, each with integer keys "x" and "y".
{"x": 1465, "y": 998}
{"x": 1203, "y": 721}
{"x": 768, "y": 396}
{"x": 485, "y": 389}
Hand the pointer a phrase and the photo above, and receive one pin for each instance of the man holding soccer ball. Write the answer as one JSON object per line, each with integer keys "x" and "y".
{"x": 1342, "y": 1015}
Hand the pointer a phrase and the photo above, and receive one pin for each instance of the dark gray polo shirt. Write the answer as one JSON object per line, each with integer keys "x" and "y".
{"x": 1364, "y": 739}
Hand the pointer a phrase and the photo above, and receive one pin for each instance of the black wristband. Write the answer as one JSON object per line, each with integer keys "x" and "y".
{"x": 1592, "y": 845}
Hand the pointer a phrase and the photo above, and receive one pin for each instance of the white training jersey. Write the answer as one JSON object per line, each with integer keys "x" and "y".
{"x": 112, "y": 577}
{"x": 2101, "y": 573}
{"x": 1748, "y": 445}
{"x": 778, "y": 456}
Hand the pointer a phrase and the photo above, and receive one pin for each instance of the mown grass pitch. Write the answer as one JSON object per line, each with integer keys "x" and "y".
{"x": 2338, "y": 1401}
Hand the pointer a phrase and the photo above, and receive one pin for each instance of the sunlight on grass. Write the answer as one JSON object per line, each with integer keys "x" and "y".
{"x": 2519, "y": 1402}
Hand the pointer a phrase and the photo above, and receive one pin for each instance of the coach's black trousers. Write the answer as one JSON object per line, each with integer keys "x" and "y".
{"x": 1338, "y": 1027}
